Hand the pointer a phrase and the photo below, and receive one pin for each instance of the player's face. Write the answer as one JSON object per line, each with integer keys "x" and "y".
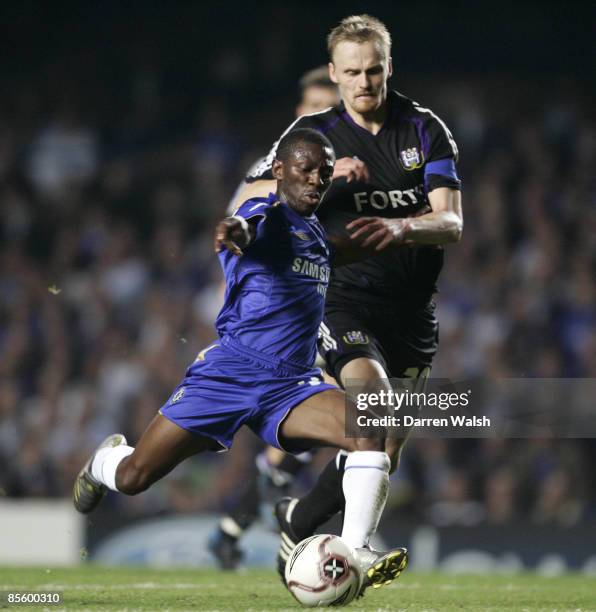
{"x": 317, "y": 98}
{"x": 303, "y": 179}
{"x": 361, "y": 71}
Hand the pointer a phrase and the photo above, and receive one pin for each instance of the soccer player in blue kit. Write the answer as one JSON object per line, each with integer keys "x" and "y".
{"x": 259, "y": 372}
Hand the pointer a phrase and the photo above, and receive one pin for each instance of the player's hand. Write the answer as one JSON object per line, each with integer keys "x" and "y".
{"x": 352, "y": 168}
{"x": 232, "y": 234}
{"x": 379, "y": 233}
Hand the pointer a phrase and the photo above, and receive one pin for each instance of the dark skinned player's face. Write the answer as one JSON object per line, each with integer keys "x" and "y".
{"x": 304, "y": 177}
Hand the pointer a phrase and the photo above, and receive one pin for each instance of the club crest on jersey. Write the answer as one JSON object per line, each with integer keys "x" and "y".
{"x": 300, "y": 234}
{"x": 355, "y": 337}
{"x": 411, "y": 159}
{"x": 178, "y": 395}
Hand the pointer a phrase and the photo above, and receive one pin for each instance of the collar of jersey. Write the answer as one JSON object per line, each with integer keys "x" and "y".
{"x": 273, "y": 199}
{"x": 391, "y": 104}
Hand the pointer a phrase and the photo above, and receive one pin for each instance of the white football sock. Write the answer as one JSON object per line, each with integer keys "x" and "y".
{"x": 105, "y": 462}
{"x": 365, "y": 485}
{"x": 230, "y": 527}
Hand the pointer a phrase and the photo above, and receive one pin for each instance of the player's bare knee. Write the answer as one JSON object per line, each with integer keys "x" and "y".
{"x": 394, "y": 459}
{"x": 368, "y": 444}
{"x": 393, "y": 448}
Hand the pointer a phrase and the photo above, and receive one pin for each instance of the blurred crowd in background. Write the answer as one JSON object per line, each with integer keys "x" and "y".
{"x": 109, "y": 286}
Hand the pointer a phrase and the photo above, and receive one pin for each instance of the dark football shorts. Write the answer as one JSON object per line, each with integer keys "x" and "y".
{"x": 403, "y": 342}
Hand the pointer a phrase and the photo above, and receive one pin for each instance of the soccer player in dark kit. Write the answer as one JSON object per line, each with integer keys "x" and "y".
{"x": 259, "y": 372}
{"x": 395, "y": 189}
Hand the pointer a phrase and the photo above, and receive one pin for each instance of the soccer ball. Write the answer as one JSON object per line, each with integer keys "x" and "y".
{"x": 323, "y": 571}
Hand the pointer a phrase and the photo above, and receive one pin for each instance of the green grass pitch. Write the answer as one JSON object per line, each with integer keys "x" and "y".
{"x": 129, "y": 589}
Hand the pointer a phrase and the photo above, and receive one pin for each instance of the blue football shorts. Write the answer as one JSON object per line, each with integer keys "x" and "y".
{"x": 227, "y": 387}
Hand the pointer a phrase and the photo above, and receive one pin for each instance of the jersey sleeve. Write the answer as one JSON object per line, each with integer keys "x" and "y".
{"x": 255, "y": 209}
{"x": 440, "y": 153}
{"x": 262, "y": 171}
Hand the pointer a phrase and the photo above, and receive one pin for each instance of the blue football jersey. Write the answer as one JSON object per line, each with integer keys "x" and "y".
{"x": 275, "y": 292}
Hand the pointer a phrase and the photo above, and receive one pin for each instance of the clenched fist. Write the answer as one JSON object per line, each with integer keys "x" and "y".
{"x": 232, "y": 233}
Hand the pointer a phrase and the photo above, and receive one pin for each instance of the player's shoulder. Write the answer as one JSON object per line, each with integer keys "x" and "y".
{"x": 409, "y": 109}
{"x": 426, "y": 123}
{"x": 321, "y": 121}
{"x": 256, "y": 206}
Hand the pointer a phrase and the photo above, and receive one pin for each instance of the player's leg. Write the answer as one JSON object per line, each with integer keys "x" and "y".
{"x": 365, "y": 374}
{"x": 120, "y": 467}
{"x": 277, "y": 471}
{"x": 350, "y": 343}
{"x": 270, "y": 479}
{"x": 225, "y": 538}
{"x": 161, "y": 448}
{"x": 321, "y": 420}
{"x": 281, "y": 468}
{"x": 351, "y": 354}
{"x": 326, "y": 498}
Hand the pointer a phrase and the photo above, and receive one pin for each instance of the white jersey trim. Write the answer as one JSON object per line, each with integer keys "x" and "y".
{"x": 442, "y": 124}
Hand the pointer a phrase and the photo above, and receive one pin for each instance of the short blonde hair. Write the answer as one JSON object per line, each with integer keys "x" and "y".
{"x": 359, "y": 29}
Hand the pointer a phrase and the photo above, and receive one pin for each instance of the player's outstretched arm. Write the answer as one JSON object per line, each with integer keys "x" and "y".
{"x": 234, "y": 234}
{"x": 444, "y": 224}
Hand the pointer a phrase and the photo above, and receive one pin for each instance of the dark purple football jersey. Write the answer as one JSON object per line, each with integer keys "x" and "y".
{"x": 411, "y": 155}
